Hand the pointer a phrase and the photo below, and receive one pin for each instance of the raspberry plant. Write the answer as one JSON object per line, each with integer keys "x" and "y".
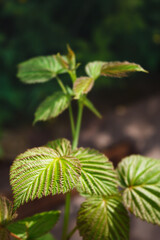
{"x": 59, "y": 166}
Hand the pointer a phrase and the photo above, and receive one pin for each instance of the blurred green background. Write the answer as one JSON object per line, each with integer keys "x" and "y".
{"x": 96, "y": 30}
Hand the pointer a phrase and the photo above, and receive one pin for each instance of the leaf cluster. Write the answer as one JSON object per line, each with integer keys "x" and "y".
{"x": 55, "y": 168}
{"x": 44, "y": 68}
{"x": 102, "y": 38}
{"x": 59, "y": 166}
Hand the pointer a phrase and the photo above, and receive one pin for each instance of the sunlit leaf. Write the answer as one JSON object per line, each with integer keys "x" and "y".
{"x": 40, "y": 69}
{"x": 52, "y": 106}
{"x": 93, "y": 69}
{"x": 90, "y": 105}
{"x": 82, "y": 85}
{"x": 35, "y": 226}
{"x": 103, "y": 218}
{"x": 120, "y": 69}
{"x": 140, "y": 180}
{"x": 63, "y": 61}
{"x": 97, "y": 174}
{"x": 112, "y": 69}
{"x": 42, "y": 171}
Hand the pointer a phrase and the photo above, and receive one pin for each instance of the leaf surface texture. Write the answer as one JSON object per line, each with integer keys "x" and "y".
{"x": 140, "y": 180}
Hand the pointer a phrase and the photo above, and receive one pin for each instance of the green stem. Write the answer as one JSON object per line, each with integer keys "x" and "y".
{"x": 73, "y": 75}
{"x": 71, "y": 121}
{"x": 74, "y": 145}
{"x": 70, "y": 107}
{"x": 66, "y": 216}
{"x": 77, "y": 130}
{"x": 72, "y": 232}
{"x": 61, "y": 84}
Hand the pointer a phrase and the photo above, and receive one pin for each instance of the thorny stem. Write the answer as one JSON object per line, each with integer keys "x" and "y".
{"x": 68, "y": 195}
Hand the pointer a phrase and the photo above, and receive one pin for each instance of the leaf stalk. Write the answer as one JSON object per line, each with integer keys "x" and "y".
{"x": 61, "y": 84}
{"x": 75, "y": 133}
{"x": 66, "y": 215}
{"x": 72, "y": 121}
{"x": 78, "y": 126}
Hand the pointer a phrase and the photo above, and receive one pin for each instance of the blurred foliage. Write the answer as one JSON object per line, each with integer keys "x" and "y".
{"x": 96, "y": 30}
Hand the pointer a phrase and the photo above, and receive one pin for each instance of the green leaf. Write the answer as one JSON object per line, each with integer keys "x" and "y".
{"x": 61, "y": 145}
{"x": 120, "y": 69}
{"x": 47, "y": 236}
{"x": 42, "y": 171}
{"x": 102, "y": 218}
{"x": 40, "y": 69}
{"x": 6, "y": 211}
{"x": 140, "y": 180}
{"x": 52, "y": 106}
{"x": 69, "y": 91}
{"x": 97, "y": 174}
{"x": 35, "y": 226}
{"x": 112, "y": 69}
{"x": 63, "y": 61}
{"x": 82, "y": 85}
{"x": 91, "y": 107}
{"x": 93, "y": 69}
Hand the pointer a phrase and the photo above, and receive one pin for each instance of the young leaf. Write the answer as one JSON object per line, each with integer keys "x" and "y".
{"x": 97, "y": 174}
{"x": 120, "y": 69}
{"x": 52, "y": 106}
{"x": 93, "y": 69}
{"x": 63, "y": 61}
{"x": 71, "y": 58}
{"x": 90, "y": 105}
{"x": 42, "y": 171}
{"x": 35, "y": 226}
{"x": 102, "y": 218}
{"x": 40, "y": 69}
{"x": 82, "y": 85}
{"x": 140, "y": 180}
{"x": 112, "y": 69}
